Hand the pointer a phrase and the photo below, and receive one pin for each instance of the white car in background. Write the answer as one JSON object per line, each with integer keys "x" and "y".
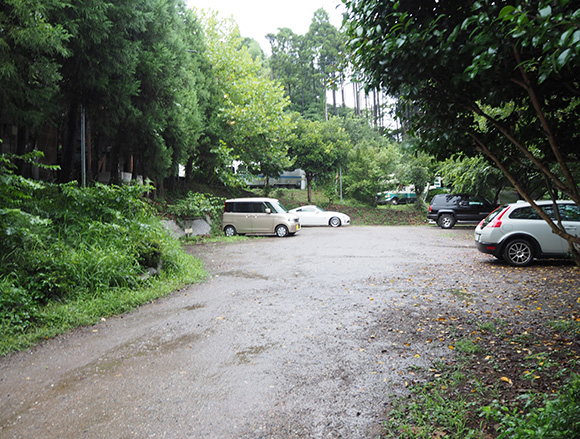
{"x": 517, "y": 234}
{"x": 315, "y": 216}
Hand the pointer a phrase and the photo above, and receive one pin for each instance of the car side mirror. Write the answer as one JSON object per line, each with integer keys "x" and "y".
{"x": 268, "y": 210}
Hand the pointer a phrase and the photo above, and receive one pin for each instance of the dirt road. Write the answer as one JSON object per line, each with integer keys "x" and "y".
{"x": 303, "y": 337}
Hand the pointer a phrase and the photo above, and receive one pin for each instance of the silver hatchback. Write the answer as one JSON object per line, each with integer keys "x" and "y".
{"x": 517, "y": 234}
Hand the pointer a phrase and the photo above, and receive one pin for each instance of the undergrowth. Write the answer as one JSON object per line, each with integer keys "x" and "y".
{"x": 70, "y": 255}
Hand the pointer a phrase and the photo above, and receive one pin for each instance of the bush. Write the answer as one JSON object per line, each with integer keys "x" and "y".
{"x": 80, "y": 253}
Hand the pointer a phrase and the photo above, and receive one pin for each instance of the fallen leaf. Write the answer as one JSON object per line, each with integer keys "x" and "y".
{"x": 507, "y": 380}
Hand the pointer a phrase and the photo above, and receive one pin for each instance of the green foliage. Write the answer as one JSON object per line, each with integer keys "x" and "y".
{"x": 432, "y": 413}
{"x": 197, "y": 205}
{"x": 251, "y": 111}
{"x": 472, "y": 175}
{"x": 367, "y": 168}
{"x": 61, "y": 244}
{"x": 29, "y": 71}
{"x": 319, "y": 148}
{"x": 544, "y": 417}
{"x": 308, "y": 65}
{"x": 460, "y": 63}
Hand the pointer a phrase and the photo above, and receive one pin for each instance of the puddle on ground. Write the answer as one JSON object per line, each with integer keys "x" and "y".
{"x": 194, "y": 307}
{"x": 244, "y": 274}
{"x": 246, "y": 356}
{"x": 111, "y": 363}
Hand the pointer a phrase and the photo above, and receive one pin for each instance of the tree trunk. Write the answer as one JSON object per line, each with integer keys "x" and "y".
{"x": 21, "y": 150}
{"x": 68, "y": 147}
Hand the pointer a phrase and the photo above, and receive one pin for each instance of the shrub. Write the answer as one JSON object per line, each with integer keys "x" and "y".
{"x": 61, "y": 244}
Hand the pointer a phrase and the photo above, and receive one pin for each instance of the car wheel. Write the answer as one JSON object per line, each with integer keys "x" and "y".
{"x": 519, "y": 253}
{"x": 281, "y": 231}
{"x": 335, "y": 221}
{"x": 446, "y": 221}
{"x": 395, "y": 201}
{"x": 230, "y": 231}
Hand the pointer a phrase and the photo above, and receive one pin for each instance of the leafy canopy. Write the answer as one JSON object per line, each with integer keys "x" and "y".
{"x": 460, "y": 63}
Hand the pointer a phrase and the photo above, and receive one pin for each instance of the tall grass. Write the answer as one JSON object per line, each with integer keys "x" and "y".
{"x": 70, "y": 256}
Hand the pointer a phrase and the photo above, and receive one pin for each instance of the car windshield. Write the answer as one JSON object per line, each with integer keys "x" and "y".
{"x": 492, "y": 215}
{"x": 277, "y": 207}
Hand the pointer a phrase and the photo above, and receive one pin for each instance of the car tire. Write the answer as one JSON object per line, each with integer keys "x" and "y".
{"x": 519, "y": 253}
{"x": 395, "y": 201}
{"x": 446, "y": 221}
{"x": 230, "y": 231}
{"x": 335, "y": 222}
{"x": 281, "y": 231}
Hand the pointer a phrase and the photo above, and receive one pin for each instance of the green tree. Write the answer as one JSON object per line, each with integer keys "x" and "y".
{"x": 251, "y": 112}
{"x": 458, "y": 61}
{"x": 368, "y": 168}
{"x": 372, "y": 160}
{"x": 318, "y": 148}
{"x": 29, "y": 72}
{"x": 325, "y": 43}
{"x": 416, "y": 168}
{"x": 473, "y": 175}
{"x": 307, "y": 65}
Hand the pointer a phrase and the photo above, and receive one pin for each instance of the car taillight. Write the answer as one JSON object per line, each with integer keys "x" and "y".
{"x": 496, "y": 222}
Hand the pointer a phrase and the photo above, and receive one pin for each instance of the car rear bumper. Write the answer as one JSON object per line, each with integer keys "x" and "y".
{"x": 489, "y": 248}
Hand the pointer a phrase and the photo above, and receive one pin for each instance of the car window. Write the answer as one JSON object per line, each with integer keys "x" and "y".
{"x": 569, "y": 212}
{"x": 488, "y": 219}
{"x": 238, "y": 207}
{"x": 524, "y": 213}
{"x": 529, "y": 213}
{"x": 478, "y": 201}
{"x": 258, "y": 207}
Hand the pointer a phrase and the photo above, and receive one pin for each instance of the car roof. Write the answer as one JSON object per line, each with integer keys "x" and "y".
{"x": 251, "y": 199}
{"x": 522, "y": 203}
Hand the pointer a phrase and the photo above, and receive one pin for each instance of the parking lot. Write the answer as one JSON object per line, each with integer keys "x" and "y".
{"x": 310, "y": 336}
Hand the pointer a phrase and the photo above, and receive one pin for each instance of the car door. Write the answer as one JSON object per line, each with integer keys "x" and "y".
{"x": 242, "y": 217}
{"x": 262, "y": 221}
{"x": 475, "y": 208}
{"x": 310, "y": 216}
{"x": 570, "y": 214}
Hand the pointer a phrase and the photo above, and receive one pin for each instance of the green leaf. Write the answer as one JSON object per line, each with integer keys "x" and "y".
{"x": 545, "y": 12}
{"x": 507, "y": 10}
{"x": 563, "y": 58}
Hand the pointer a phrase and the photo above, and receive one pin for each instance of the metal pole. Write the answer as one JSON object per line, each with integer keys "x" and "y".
{"x": 340, "y": 174}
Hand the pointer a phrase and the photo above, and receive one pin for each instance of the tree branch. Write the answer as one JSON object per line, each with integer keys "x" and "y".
{"x": 561, "y": 232}
{"x": 527, "y": 86}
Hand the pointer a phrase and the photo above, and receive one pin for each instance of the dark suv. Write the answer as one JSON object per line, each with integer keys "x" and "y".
{"x": 448, "y": 209}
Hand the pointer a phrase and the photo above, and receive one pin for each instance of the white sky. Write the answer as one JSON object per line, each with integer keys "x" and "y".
{"x": 256, "y": 18}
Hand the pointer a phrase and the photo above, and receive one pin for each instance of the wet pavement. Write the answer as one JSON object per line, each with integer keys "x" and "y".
{"x": 300, "y": 337}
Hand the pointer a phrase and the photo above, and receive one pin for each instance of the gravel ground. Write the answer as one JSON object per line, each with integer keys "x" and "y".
{"x": 311, "y": 336}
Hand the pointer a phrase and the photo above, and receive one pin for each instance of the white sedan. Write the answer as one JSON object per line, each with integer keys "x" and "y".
{"x": 315, "y": 216}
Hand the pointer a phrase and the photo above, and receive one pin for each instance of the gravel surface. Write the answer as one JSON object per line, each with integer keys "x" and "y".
{"x": 309, "y": 336}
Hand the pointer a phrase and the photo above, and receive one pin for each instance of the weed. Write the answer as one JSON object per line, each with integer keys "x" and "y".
{"x": 86, "y": 258}
{"x": 566, "y": 326}
{"x": 544, "y": 416}
{"x": 432, "y": 412}
{"x": 467, "y": 346}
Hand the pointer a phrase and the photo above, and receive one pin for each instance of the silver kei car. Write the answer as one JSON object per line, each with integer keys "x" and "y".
{"x": 517, "y": 234}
